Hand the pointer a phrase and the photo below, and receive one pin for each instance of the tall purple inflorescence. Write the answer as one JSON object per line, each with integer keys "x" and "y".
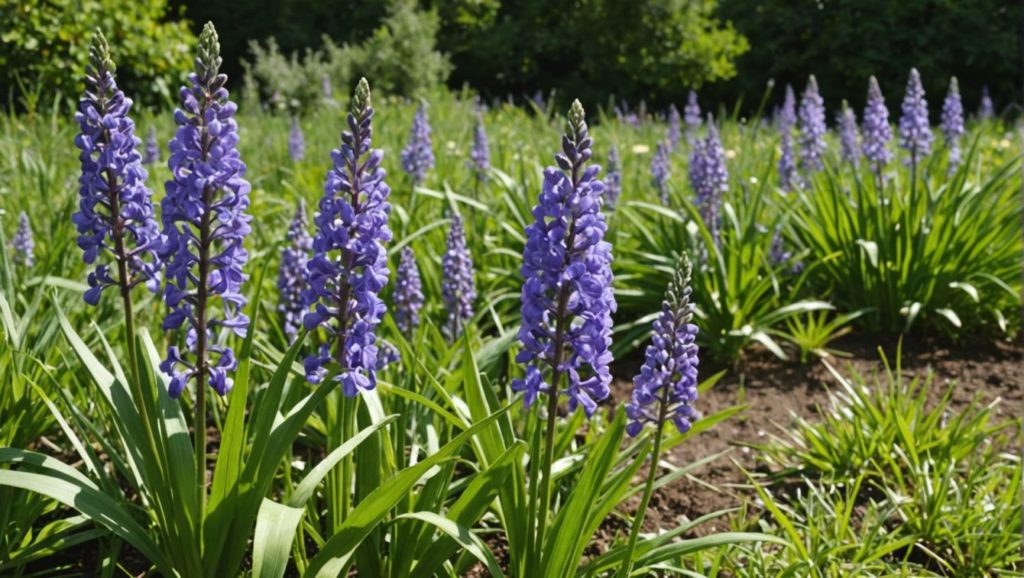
{"x": 666, "y": 387}
{"x": 986, "y": 110}
{"x": 291, "y": 277}
{"x": 349, "y": 267}
{"x": 458, "y": 290}
{"x": 23, "y": 244}
{"x": 296, "y": 141}
{"x": 787, "y": 161}
{"x": 876, "y": 132}
{"x": 675, "y": 127}
{"x": 692, "y": 117}
{"x": 151, "y": 152}
{"x": 709, "y": 177}
{"x": 480, "y": 155}
{"x": 915, "y": 130}
{"x": 418, "y": 155}
{"x": 115, "y": 208}
{"x": 953, "y": 123}
{"x": 205, "y": 225}
{"x": 812, "y": 128}
{"x": 849, "y": 147}
{"x": 613, "y": 180}
{"x": 567, "y": 299}
{"x": 407, "y": 295}
{"x": 661, "y": 171}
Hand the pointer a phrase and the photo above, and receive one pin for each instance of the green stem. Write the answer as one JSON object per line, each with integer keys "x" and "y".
{"x": 652, "y": 474}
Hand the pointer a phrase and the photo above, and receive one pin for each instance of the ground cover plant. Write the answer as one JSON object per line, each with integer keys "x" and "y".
{"x": 376, "y": 335}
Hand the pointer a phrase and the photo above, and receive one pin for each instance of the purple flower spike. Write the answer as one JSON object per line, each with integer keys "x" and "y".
{"x": 675, "y": 127}
{"x": 418, "y": 155}
{"x": 661, "y": 171}
{"x": 480, "y": 156}
{"x": 778, "y": 255}
{"x": 296, "y": 141}
{"x": 666, "y": 387}
{"x": 986, "y": 110}
{"x": 205, "y": 225}
{"x": 349, "y": 267}
{"x": 692, "y": 117}
{"x": 458, "y": 289}
{"x": 915, "y": 131}
{"x": 408, "y": 294}
{"x": 785, "y": 120}
{"x": 849, "y": 148}
{"x": 22, "y": 242}
{"x": 709, "y": 177}
{"x": 953, "y": 123}
{"x": 876, "y": 131}
{"x": 812, "y": 128}
{"x": 151, "y": 152}
{"x": 567, "y": 299}
{"x": 613, "y": 180}
{"x": 291, "y": 277}
{"x": 115, "y": 208}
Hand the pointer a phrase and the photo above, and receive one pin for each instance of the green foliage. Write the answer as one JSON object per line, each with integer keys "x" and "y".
{"x": 44, "y": 47}
{"x": 651, "y": 49}
{"x": 842, "y": 42}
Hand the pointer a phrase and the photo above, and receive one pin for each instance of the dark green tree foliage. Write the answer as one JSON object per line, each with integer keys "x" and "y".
{"x": 44, "y": 48}
{"x": 843, "y": 42}
{"x": 629, "y": 49}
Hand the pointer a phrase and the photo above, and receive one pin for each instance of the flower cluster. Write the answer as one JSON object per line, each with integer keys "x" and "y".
{"x": 418, "y": 155}
{"x": 876, "y": 132}
{"x": 849, "y": 148}
{"x": 567, "y": 298}
{"x": 661, "y": 171}
{"x": 151, "y": 152}
{"x": 778, "y": 255}
{"x": 22, "y": 243}
{"x": 407, "y": 295}
{"x": 296, "y": 141}
{"x": 952, "y": 124}
{"x": 675, "y": 127}
{"x": 291, "y": 277}
{"x": 205, "y": 224}
{"x": 458, "y": 289}
{"x": 709, "y": 177}
{"x": 692, "y": 117}
{"x": 986, "y": 110}
{"x": 115, "y": 208}
{"x": 915, "y": 130}
{"x": 613, "y": 180}
{"x": 812, "y": 128}
{"x": 480, "y": 155}
{"x": 787, "y": 162}
{"x": 666, "y": 387}
{"x": 349, "y": 267}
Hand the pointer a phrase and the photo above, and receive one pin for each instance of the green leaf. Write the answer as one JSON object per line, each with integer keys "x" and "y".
{"x": 469, "y": 541}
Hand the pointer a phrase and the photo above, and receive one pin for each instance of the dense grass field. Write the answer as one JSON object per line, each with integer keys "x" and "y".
{"x": 438, "y": 465}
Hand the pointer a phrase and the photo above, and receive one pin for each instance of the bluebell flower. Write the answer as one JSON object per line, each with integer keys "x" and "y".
{"x": 458, "y": 290}
{"x": 915, "y": 129}
{"x": 291, "y": 277}
{"x": 778, "y": 254}
{"x": 876, "y": 132}
{"x": 115, "y": 208}
{"x": 849, "y": 148}
{"x": 675, "y": 127}
{"x": 952, "y": 124}
{"x": 23, "y": 244}
{"x": 205, "y": 221}
{"x": 567, "y": 298}
{"x": 418, "y": 155}
{"x": 666, "y": 387}
{"x": 296, "y": 141}
{"x": 349, "y": 267}
{"x": 785, "y": 121}
{"x": 692, "y": 117}
{"x": 661, "y": 171}
{"x": 812, "y": 128}
{"x": 151, "y": 152}
{"x": 986, "y": 110}
{"x": 709, "y": 177}
{"x": 613, "y": 180}
{"x": 480, "y": 155}
{"x": 407, "y": 295}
